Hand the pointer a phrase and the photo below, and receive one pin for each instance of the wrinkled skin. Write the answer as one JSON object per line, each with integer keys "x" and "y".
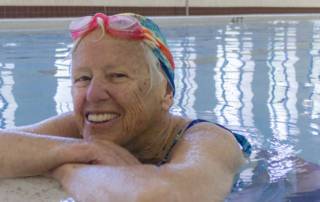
{"x": 105, "y": 82}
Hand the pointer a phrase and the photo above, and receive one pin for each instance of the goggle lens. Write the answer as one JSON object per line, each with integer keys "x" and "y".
{"x": 80, "y": 24}
{"x": 123, "y": 23}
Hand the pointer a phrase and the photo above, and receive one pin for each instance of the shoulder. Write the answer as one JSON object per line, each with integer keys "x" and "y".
{"x": 210, "y": 144}
{"x": 206, "y": 157}
{"x": 60, "y": 125}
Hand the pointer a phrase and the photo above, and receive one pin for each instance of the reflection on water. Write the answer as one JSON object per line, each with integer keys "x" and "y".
{"x": 314, "y": 76}
{"x": 282, "y": 99}
{"x": 257, "y": 87}
{"x": 233, "y": 77}
{"x": 8, "y": 104}
{"x": 62, "y": 63}
{"x": 283, "y": 85}
{"x": 259, "y": 79}
{"x": 185, "y": 55}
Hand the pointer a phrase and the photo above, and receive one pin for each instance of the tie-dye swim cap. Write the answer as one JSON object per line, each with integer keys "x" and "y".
{"x": 156, "y": 44}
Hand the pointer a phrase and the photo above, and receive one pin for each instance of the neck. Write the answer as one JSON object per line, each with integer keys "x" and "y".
{"x": 150, "y": 143}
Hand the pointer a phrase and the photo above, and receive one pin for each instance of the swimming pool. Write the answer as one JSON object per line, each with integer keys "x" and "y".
{"x": 258, "y": 75}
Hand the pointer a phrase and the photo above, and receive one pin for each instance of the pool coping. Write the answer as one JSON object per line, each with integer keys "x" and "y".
{"x": 22, "y": 24}
{"x": 175, "y": 8}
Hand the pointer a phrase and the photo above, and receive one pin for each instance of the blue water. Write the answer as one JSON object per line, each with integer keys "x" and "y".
{"x": 260, "y": 78}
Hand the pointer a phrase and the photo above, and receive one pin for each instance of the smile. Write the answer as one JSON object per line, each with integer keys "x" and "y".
{"x": 101, "y": 117}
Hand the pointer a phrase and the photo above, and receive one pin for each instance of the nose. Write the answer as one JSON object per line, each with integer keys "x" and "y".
{"x": 97, "y": 91}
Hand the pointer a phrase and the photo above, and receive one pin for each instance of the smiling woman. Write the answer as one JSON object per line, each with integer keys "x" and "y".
{"x": 120, "y": 129}
{"x": 114, "y": 86}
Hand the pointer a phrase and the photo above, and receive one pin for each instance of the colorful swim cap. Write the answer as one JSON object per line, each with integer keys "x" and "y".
{"x": 165, "y": 58}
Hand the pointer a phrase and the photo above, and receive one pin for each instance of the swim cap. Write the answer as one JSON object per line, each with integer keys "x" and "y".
{"x": 163, "y": 54}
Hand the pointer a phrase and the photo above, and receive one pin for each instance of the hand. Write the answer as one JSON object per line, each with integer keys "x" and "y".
{"x": 82, "y": 152}
{"x": 94, "y": 152}
{"x": 108, "y": 153}
{"x": 61, "y": 173}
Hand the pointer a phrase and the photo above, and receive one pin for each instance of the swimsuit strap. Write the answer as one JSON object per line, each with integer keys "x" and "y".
{"x": 245, "y": 145}
{"x": 177, "y": 138}
{"x": 195, "y": 121}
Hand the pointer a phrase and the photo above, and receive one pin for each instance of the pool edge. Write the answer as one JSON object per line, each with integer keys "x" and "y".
{"x": 21, "y": 24}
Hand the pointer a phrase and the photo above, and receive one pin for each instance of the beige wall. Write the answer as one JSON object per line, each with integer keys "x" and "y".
{"x": 171, "y": 3}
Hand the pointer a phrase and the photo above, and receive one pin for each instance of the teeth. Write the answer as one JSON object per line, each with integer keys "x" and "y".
{"x": 101, "y": 117}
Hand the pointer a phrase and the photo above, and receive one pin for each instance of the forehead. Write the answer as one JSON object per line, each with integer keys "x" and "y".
{"x": 94, "y": 51}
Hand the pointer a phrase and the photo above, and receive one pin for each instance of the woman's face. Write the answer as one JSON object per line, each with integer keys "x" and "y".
{"x": 110, "y": 89}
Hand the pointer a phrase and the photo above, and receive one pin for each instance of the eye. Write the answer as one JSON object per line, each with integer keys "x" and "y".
{"x": 118, "y": 75}
{"x": 81, "y": 79}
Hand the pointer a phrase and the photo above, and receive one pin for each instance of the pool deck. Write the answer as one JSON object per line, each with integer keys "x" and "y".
{"x": 35, "y": 189}
{"x": 60, "y": 8}
{"x": 62, "y": 23}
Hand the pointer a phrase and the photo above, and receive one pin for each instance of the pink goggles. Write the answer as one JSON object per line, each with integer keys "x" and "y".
{"x": 124, "y": 26}
{"x": 117, "y": 25}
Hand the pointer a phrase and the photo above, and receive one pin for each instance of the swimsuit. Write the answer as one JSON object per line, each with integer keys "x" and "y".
{"x": 243, "y": 142}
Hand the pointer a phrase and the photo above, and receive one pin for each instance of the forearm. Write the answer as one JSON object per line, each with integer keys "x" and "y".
{"x": 26, "y": 154}
{"x": 62, "y": 125}
{"x": 142, "y": 183}
{"x": 107, "y": 183}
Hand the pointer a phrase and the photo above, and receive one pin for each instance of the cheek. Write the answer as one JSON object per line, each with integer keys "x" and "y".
{"x": 144, "y": 86}
{"x": 135, "y": 110}
{"x": 78, "y": 97}
{"x": 78, "y": 101}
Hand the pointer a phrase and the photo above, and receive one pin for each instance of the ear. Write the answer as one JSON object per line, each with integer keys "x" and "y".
{"x": 167, "y": 98}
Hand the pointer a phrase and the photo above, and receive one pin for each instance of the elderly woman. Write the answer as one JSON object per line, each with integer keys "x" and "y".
{"x": 120, "y": 143}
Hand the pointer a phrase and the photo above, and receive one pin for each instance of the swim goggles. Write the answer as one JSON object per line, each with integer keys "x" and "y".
{"x": 129, "y": 26}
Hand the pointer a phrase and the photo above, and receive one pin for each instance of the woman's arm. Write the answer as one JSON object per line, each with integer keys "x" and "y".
{"x": 62, "y": 125}
{"x": 27, "y": 154}
{"x": 201, "y": 169}
{"x": 36, "y": 149}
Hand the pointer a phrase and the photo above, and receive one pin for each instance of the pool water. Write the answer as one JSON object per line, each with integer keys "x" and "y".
{"x": 260, "y": 78}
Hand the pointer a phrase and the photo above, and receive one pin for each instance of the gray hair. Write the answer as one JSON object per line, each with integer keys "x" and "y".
{"x": 154, "y": 67}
